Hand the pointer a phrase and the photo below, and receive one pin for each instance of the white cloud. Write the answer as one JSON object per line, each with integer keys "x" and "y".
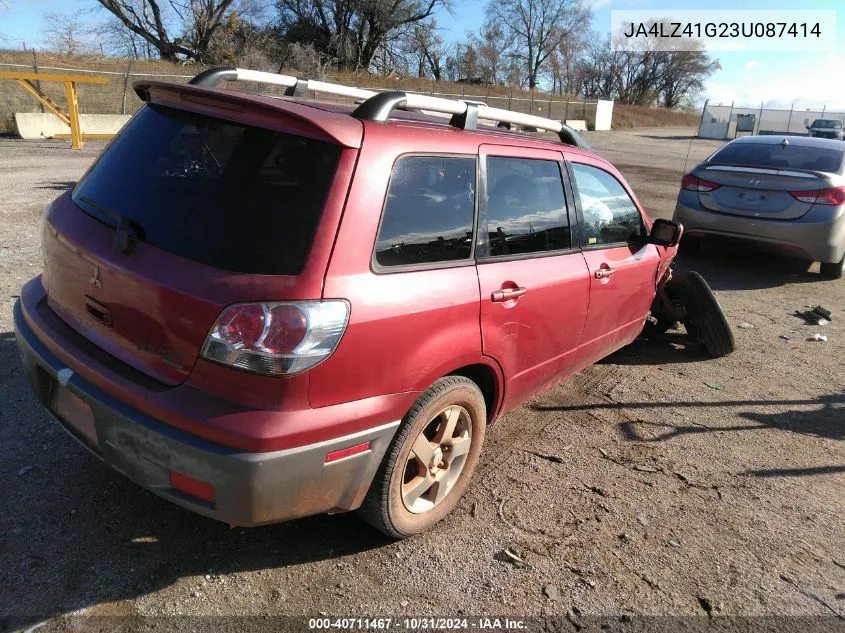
{"x": 752, "y": 64}
{"x": 806, "y": 86}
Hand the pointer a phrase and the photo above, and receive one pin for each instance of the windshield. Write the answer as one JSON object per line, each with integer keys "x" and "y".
{"x": 235, "y": 197}
{"x": 827, "y": 124}
{"x": 779, "y": 156}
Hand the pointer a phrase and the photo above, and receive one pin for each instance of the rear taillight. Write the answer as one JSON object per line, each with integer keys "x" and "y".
{"x": 278, "y": 338}
{"x": 693, "y": 183}
{"x": 834, "y": 196}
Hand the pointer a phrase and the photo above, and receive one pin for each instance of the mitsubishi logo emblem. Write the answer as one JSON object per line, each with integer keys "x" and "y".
{"x": 95, "y": 278}
{"x": 754, "y": 182}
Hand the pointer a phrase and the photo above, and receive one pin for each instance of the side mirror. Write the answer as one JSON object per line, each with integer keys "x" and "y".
{"x": 665, "y": 233}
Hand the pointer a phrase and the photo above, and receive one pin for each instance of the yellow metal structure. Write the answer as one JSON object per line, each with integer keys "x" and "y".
{"x": 71, "y": 117}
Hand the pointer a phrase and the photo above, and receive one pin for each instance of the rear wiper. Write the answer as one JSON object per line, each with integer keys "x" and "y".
{"x": 126, "y": 230}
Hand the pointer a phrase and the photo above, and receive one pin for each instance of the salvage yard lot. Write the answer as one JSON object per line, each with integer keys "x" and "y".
{"x": 657, "y": 482}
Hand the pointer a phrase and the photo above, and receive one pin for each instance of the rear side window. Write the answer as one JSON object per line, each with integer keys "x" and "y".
{"x": 526, "y": 207}
{"x": 610, "y": 216}
{"x": 235, "y": 197}
{"x": 429, "y": 212}
{"x": 779, "y": 155}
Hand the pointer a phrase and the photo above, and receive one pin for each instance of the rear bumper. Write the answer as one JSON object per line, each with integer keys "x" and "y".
{"x": 249, "y": 488}
{"x": 815, "y": 236}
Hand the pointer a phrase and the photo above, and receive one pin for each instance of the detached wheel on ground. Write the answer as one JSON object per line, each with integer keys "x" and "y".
{"x": 833, "y": 270}
{"x": 704, "y": 321}
{"x": 432, "y": 458}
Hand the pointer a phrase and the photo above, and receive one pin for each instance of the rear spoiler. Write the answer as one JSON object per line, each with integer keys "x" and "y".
{"x": 252, "y": 109}
{"x": 778, "y": 171}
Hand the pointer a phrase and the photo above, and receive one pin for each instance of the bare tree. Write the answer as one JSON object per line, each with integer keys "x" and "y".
{"x": 644, "y": 74}
{"x": 350, "y": 31}
{"x": 683, "y": 76}
{"x": 176, "y": 28}
{"x": 468, "y": 66}
{"x": 119, "y": 41}
{"x": 5, "y": 5}
{"x": 426, "y": 49}
{"x": 66, "y": 33}
{"x": 537, "y": 27}
{"x": 491, "y": 48}
{"x": 562, "y": 64}
{"x": 303, "y": 58}
{"x": 596, "y": 72}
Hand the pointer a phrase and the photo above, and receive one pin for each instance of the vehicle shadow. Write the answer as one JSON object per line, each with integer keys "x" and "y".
{"x": 676, "y": 137}
{"x": 795, "y": 472}
{"x": 672, "y": 347}
{"x": 727, "y": 268}
{"x": 824, "y": 420}
{"x": 74, "y": 533}
{"x": 57, "y": 186}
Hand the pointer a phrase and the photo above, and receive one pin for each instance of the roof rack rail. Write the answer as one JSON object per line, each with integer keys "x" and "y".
{"x": 377, "y": 106}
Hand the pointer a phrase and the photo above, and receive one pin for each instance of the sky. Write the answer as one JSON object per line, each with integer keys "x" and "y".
{"x": 804, "y": 79}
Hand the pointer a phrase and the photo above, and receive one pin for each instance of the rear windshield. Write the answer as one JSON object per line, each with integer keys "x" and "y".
{"x": 827, "y": 123}
{"x": 235, "y": 197}
{"x": 778, "y": 155}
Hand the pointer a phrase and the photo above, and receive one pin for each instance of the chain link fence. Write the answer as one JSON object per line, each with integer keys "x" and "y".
{"x": 727, "y": 122}
{"x": 118, "y": 97}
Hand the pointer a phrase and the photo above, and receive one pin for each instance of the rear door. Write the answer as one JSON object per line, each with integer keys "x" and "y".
{"x": 533, "y": 279}
{"x": 622, "y": 266}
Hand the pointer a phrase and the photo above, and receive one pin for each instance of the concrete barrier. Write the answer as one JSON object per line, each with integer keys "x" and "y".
{"x": 35, "y": 125}
{"x": 579, "y": 125}
{"x": 604, "y": 114}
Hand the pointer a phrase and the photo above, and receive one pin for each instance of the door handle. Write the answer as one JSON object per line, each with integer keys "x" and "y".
{"x": 506, "y": 294}
{"x": 604, "y": 273}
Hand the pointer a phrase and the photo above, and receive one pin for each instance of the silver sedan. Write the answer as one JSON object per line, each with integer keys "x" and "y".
{"x": 784, "y": 193}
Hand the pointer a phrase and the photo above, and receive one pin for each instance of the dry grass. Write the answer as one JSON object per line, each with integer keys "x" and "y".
{"x": 629, "y": 116}
{"x": 117, "y": 98}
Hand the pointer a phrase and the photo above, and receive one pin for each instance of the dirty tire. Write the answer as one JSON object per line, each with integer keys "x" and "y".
{"x": 705, "y": 320}
{"x": 690, "y": 245}
{"x": 832, "y": 270}
{"x": 385, "y": 506}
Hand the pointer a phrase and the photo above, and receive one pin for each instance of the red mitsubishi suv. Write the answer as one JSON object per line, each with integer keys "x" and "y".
{"x": 267, "y": 307}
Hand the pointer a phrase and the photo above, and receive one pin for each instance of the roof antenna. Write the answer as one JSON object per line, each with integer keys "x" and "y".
{"x": 784, "y": 142}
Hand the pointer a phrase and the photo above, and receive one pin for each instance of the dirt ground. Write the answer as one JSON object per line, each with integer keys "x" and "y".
{"x": 658, "y": 482}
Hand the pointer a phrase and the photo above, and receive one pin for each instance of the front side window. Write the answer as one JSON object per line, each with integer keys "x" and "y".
{"x": 526, "y": 207}
{"x": 610, "y": 216}
{"x": 429, "y": 212}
